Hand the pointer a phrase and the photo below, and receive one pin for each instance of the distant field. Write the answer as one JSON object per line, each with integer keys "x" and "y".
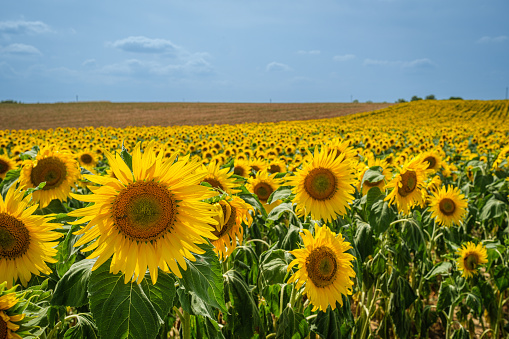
{"x": 95, "y": 114}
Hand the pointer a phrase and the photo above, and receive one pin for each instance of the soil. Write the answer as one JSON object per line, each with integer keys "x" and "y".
{"x": 95, "y": 114}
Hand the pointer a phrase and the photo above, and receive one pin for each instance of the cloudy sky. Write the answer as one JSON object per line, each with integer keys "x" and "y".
{"x": 253, "y": 50}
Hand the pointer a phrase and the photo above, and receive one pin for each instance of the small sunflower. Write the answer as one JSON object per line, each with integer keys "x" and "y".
{"x": 88, "y": 159}
{"x": 9, "y": 313}
{"x": 471, "y": 257}
{"x": 258, "y": 164}
{"x": 27, "y": 241}
{"x": 230, "y": 215}
{"x": 448, "y": 206}
{"x": 433, "y": 159}
{"x": 152, "y": 216}
{"x": 219, "y": 178}
{"x": 241, "y": 168}
{"x": 6, "y": 164}
{"x": 276, "y": 166}
{"x": 323, "y": 187}
{"x": 407, "y": 185}
{"x": 263, "y": 185}
{"x": 59, "y": 170}
{"x": 324, "y": 267}
{"x": 342, "y": 147}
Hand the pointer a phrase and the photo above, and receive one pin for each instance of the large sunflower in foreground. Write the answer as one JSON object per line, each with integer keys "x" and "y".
{"x": 448, "y": 206}
{"x": 59, "y": 170}
{"x": 407, "y": 185}
{"x": 324, "y": 267}
{"x": 263, "y": 184}
{"x": 323, "y": 187}
{"x": 471, "y": 256}
{"x": 152, "y": 216}
{"x": 6, "y": 164}
{"x": 27, "y": 241}
{"x": 219, "y": 178}
{"x": 230, "y": 215}
{"x": 10, "y": 313}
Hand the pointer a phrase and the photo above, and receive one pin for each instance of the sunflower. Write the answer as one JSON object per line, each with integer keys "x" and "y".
{"x": 276, "y": 166}
{"x": 9, "y": 313}
{"x": 342, "y": 147}
{"x": 471, "y": 256}
{"x": 448, "y": 206}
{"x": 241, "y": 168}
{"x": 407, "y": 185}
{"x": 26, "y": 240}
{"x": 366, "y": 185}
{"x": 433, "y": 159}
{"x": 323, "y": 187}
{"x": 324, "y": 267}
{"x": 6, "y": 164}
{"x": 88, "y": 159}
{"x": 258, "y": 164}
{"x": 263, "y": 185}
{"x": 151, "y": 216}
{"x": 219, "y": 178}
{"x": 59, "y": 170}
{"x": 230, "y": 215}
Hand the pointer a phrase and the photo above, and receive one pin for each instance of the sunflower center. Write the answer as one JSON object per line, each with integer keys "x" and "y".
{"x": 144, "y": 211}
{"x": 320, "y": 184}
{"x": 447, "y": 206}
{"x": 214, "y": 183}
{"x": 238, "y": 170}
{"x": 3, "y": 329}
{"x": 86, "y": 158}
{"x": 228, "y": 224}
{"x": 14, "y": 237}
{"x": 409, "y": 183}
{"x": 432, "y": 162}
{"x": 3, "y": 166}
{"x": 274, "y": 169}
{"x": 471, "y": 261}
{"x": 322, "y": 266}
{"x": 263, "y": 191}
{"x": 50, "y": 170}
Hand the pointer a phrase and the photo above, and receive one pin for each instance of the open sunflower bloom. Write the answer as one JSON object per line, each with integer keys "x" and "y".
{"x": 8, "y": 328}
{"x": 471, "y": 256}
{"x": 448, "y": 206}
{"x": 324, "y": 268}
{"x": 151, "y": 217}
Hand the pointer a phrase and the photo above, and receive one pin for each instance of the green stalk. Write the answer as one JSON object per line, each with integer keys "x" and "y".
{"x": 187, "y": 325}
{"x": 449, "y": 322}
{"x": 499, "y": 313}
{"x": 370, "y": 310}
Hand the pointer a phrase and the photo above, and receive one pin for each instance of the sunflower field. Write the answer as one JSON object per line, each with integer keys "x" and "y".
{"x": 387, "y": 224}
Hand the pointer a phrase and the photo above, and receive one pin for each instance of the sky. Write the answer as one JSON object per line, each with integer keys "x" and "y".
{"x": 253, "y": 51}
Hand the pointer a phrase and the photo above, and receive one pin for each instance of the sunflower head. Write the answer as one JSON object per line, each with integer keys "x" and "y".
{"x": 219, "y": 178}
{"x": 471, "y": 256}
{"x": 11, "y": 313}
{"x": 324, "y": 268}
{"x": 87, "y": 159}
{"x": 448, "y": 206}
{"x": 59, "y": 170}
{"x": 433, "y": 159}
{"x": 263, "y": 184}
{"x": 241, "y": 168}
{"x": 6, "y": 164}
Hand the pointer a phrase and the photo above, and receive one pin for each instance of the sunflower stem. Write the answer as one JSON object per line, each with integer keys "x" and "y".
{"x": 499, "y": 313}
{"x": 187, "y": 326}
{"x": 293, "y": 297}
{"x": 370, "y": 309}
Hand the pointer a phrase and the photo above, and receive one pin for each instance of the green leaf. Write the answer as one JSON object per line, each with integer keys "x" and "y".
{"x": 291, "y": 325}
{"x": 381, "y": 216}
{"x": 492, "y": 209}
{"x": 440, "y": 268}
{"x": 121, "y": 310}
{"x": 461, "y": 333}
{"x": 364, "y": 240}
{"x": 291, "y": 239}
{"x": 128, "y": 158}
{"x": 275, "y": 214}
{"x": 273, "y": 266}
{"x": 281, "y": 193}
{"x": 55, "y": 206}
{"x": 502, "y": 277}
{"x": 252, "y": 199}
{"x": 373, "y": 174}
{"x": 84, "y": 328}
{"x": 30, "y": 155}
{"x": 446, "y": 296}
{"x": 474, "y": 302}
{"x": 71, "y": 289}
{"x": 162, "y": 293}
{"x": 204, "y": 277}
{"x": 328, "y": 324}
{"x": 10, "y": 179}
{"x": 374, "y": 194}
{"x": 194, "y": 305}
{"x": 243, "y": 317}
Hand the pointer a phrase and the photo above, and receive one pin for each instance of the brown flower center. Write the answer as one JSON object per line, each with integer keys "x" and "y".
{"x": 432, "y": 162}
{"x": 14, "y": 237}
{"x": 447, "y": 206}
{"x": 4, "y": 166}
{"x": 320, "y": 184}
{"x": 322, "y": 265}
{"x": 51, "y": 170}
{"x": 274, "y": 168}
{"x": 144, "y": 211}
{"x": 239, "y": 170}
{"x": 263, "y": 191}
{"x": 86, "y": 159}
{"x": 214, "y": 183}
{"x": 471, "y": 261}
{"x": 409, "y": 183}
{"x": 3, "y": 329}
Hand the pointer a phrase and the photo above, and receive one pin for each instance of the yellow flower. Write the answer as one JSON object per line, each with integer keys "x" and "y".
{"x": 151, "y": 217}
{"x": 87, "y": 159}
{"x": 366, "y": 185}
{"x": 8, "y": 315}
{"x": 448, "y": 206}
{"x": 263, "y": 185}
{"x": 27, "y": 241}
{"x": 6, "y": 164}
{"x": 230, "y": 215}
{"x": 433, "y": 159}
{"x": 324, "y": 267}
{"x": 323, "y": 187}
{"x": 219, "y": 178}
{"x": 59, "y": 170}
{"x": 471, "y": 256}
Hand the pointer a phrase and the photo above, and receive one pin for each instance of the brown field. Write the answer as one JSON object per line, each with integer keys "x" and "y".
{"x": 95, "y": 114}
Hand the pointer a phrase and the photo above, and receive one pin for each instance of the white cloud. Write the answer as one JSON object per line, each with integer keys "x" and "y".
{"x": 141, "y": 44}
{"x": 277, "y": 67}
{"x": 344, "y": 57}
{"x": 194, "y": 66}
{"x": 19, "y": 50}
{"x": 488, "y": 40}
{"x": 417, "y": 63}
{"x": 312, "y": 52}
{"x": 23, "y": 27}
{"x": 89, "y": 62}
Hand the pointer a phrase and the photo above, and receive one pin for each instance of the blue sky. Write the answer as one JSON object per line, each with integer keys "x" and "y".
{"x": 253, "y": 51}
